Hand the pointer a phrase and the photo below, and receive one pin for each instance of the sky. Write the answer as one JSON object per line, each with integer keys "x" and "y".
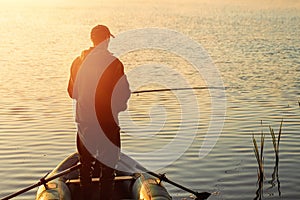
{"x": 244, "y": 3}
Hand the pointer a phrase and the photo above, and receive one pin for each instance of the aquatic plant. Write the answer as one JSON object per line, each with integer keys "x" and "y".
{"x": 260, "y": 161}
{"x": 275, "y": 176}
{"x": 259, "y": 155}
{"x": 276, "y": 144}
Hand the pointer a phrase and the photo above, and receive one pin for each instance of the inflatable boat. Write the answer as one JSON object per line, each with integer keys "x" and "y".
{"x": 130, "y": 182}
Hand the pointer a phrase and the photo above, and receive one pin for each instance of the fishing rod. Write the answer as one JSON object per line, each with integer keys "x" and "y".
{"x": 184, "y": 88}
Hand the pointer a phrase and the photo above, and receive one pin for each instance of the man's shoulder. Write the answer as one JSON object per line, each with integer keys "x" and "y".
{"x": 117, "y": 61}
{"x": 85, "y": 52}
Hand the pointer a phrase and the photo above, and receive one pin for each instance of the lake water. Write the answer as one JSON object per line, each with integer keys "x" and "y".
{"x": 257, "y": 52}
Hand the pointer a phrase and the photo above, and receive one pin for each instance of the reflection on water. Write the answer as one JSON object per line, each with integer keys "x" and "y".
{"x": 275, "y": 179}
{"x": 256, "y": 51}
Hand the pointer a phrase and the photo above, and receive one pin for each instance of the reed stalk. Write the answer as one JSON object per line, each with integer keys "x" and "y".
{"x": 260, "y": 160}
{"x": 275, "y": 176}
{"x": 259, "y": 155}
{"x": 276, "y": 143}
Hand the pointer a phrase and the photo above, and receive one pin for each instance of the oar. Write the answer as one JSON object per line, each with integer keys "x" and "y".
{"x": 43, "y": 181}
{"x": 126, "y": 163}
{"x": 162, "y": 177}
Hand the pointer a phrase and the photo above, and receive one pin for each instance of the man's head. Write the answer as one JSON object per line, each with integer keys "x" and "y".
{"x": 99, "y": 34}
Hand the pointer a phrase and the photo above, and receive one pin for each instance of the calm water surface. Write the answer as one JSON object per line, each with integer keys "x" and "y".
{"x": 256, "y": 51}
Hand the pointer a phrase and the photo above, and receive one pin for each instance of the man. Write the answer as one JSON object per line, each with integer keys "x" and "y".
{"x": 101, "y": 90}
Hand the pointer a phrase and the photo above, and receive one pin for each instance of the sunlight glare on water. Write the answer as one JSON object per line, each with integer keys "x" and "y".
{"x": 256, "y": 51}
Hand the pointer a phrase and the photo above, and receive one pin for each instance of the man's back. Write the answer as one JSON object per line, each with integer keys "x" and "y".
{"x": 101, "y": 91}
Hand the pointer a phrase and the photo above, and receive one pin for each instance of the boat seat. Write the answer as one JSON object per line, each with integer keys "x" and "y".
{"x": 117, "y": 178}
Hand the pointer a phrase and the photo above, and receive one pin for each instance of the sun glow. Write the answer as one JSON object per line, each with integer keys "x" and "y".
{"x": 38, "y": 2}
{"x": 222, "y": 3}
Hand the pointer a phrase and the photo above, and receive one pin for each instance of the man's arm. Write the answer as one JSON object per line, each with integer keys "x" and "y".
{"x": 73, "y": 72}
{"x": 122, "y": 91}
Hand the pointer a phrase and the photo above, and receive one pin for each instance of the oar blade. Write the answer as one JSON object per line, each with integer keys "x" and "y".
{"x": 203, "y": 195}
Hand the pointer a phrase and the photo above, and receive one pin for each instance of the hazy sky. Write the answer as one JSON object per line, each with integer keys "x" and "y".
{"x": 244, "y": 3}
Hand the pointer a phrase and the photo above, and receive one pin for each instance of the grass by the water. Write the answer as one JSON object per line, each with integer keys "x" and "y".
{"x": 259, "y": 155}
{"x": 260, "y": 160}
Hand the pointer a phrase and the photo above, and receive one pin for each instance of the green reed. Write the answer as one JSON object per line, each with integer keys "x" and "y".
{"x": 276, "y": 143}
{"x": 260, "y": 160}
{"x": 259, "y": 155}
{"x": 275, "y": 176}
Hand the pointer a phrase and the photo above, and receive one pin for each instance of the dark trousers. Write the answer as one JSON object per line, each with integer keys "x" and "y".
{"x": 92, "y": 166}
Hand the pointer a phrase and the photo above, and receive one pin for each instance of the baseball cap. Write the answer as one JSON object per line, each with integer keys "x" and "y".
{"x": 100, "y": 33}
